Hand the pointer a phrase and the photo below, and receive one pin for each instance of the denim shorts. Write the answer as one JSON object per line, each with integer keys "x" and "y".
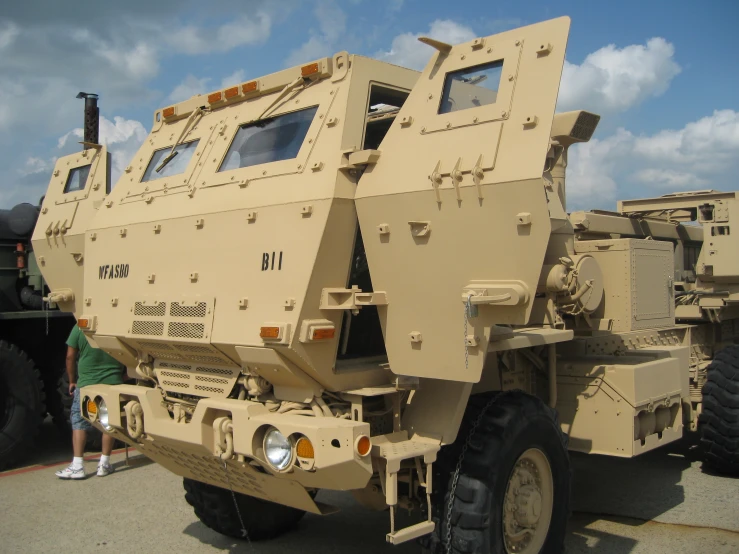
{"x": 79, "y": 423}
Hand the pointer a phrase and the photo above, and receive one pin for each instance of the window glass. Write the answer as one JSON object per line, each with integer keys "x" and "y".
{"x": 269, "y": 140}
{"x": 77, "y": 179}
{"x": 175, "y": 166}
{"x": 471, "y": 87}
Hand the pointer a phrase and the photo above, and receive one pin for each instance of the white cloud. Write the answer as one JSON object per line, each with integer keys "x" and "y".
{"x": 242, "y": 31}
{"x": 235, "y": 78}
{"x": 8, "y": 33}
{"x": 188, "y": 88}
{"x": 703, "y": 154}
{"x": 406, "y": 51}
{"x": 614, "y": 80}
{"x": 332, "y": 26}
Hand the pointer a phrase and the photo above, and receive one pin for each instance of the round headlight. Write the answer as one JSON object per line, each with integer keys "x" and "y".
{"x": 278, "y": 449}
{"x": 103, "y": 413}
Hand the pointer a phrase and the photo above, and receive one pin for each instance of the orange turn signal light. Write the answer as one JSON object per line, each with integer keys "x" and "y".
{"x": 304, "y": 448}
{"x": 215, "y": 97}
{"x": 323, "y": 334}
{"x": 83, "y": 323}
{"x": 168, "y": 112}
{"x": 363, "y": 445}
{"x": 231, "y": 92}
{"x": 269, "y": 332}
{"x": 92, "y": 408}
{"x": 251, "y": 86}
{"x": 310, "y": 69}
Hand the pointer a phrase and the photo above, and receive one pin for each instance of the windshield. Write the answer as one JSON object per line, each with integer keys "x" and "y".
{"x": 269, "y": 140}
{"x": 471, "y": 87}
{"x": 177, "y": 165}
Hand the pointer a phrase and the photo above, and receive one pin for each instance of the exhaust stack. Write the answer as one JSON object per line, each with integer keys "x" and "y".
{"x": 92, "y": 118}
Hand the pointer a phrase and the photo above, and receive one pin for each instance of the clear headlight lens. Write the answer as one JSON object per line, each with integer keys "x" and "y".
{"x": 103, "y": 414}
{"x": 278, "y": 449}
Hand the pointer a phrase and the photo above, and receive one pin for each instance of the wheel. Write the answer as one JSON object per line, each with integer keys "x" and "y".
{"x": 263, "y": 520}
{"x": 21, "y": 403}
{"x": 513, "y": 487}
{"x": 94, "y": 441}
{"x": 720, "y": 415}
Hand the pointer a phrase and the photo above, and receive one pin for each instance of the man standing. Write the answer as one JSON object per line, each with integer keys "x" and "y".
{"x": 94, "y": 367}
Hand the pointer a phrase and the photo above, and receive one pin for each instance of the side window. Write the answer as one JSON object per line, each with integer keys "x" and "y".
{"x": 471, "y": 87}
{"x": 384, "y": 104}
{"x": 177, "y": 165}
{"x": 77, "y": 179}
{"x": 269, "y": 140}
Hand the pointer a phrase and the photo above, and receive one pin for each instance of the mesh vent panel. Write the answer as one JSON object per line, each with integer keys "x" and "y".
{"x": 158, "y": 310}
{"x": 153, "y": 328}
{"x": 211, "y": 380}
{"x": 206, "y": 359}
{"x": 188, "y": 330}
{"x": 209, "y": 389}
{"x": 216, "y": 370}
{"x": 178, "y": 310}
{"x": 174, "y": 375}
{"x": 155, "y": 345}
{"x": 193, "y": 348}
{"x": 174, "y": 366}
{"x": 176, "y": 384}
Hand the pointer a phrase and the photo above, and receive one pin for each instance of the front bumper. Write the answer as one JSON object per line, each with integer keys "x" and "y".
{"x": 191, "y": 449}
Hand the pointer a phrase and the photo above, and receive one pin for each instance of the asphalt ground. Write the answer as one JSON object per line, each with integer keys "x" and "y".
{"x": 660, "y": 502}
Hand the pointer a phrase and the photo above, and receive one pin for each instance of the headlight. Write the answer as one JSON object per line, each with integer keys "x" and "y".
{"x": 103, "y": 414}
{"x": 278, "y": 449}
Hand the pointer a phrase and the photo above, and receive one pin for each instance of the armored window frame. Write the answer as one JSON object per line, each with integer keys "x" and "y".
{"x": 82, "y": 183}
{"x": 190, "y": 147}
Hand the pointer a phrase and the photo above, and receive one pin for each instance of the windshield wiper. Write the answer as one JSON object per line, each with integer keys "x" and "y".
{"x": 172, "y": 153}
{"x": 285, "y": 91}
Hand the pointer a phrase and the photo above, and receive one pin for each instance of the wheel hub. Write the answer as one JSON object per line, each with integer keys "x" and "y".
{"x": 527, "y": 508}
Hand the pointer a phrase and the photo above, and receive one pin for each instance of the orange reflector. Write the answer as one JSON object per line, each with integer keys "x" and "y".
{"x": 168, "y": 112}
{"x": 251, "y": 86}
{"x": 269, "y": 332}
{"x": 83, "y": 323}
{"x": 215, "y": 97}
{"x": 309, "y": 69}
{"x": 92, "y": 408}
{"x": 231, "y": 92}
{"x": 304, "y": 448}
{"x": 363, "y": 445}
{"x": 323, "y": 334}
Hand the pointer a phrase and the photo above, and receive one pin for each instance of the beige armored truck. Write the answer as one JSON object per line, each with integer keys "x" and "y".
{"x": 353, "y": 276}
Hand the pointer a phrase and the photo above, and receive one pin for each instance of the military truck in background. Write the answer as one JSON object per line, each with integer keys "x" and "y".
{"x": 353, "y": 276}
{"x": 32, "y": 339}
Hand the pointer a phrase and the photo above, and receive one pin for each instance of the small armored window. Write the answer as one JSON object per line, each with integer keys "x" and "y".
{"x": 269, "y": 140}
{"x": 471, "y": 87}
{"x": 178, "y": 164}
{"x": 77, "y": 179}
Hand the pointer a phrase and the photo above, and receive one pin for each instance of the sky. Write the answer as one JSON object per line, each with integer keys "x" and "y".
{"x": 663, "y": 75}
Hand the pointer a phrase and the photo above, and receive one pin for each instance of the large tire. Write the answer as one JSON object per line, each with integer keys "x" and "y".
{"x": 21, "y": 403}
{"x": 263, "y": 520}
{"x": 720, "y": 415}
{"x": 94, "y": 442}
{"x": 516, "y": 433}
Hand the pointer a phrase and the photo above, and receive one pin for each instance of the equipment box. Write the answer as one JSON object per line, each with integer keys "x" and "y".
{"x": 637, "y": 282}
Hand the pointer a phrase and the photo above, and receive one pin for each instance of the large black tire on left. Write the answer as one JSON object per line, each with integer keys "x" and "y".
{"x": 720, "y": 415}
{"x": 263, "y": 520}
{"x": 503, "y": 494}
{"x": 21, "y": 403}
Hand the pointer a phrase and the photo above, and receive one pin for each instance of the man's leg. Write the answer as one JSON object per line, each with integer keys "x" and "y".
{"x": 80, "y": 426}
{"x": 104, "y": 467}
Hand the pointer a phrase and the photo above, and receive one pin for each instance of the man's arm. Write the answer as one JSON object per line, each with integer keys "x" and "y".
{"x": 72, "y": 369}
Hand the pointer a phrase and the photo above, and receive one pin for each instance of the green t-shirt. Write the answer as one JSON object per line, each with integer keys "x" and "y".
{"x": 94, "y": 367}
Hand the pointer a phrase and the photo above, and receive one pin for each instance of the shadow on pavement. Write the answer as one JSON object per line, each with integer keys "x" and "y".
{"x": 582, "y": 538}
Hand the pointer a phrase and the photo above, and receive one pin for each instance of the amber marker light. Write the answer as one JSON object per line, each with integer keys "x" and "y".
{"x": 363, "y": 445}
{"x": 308, "y": 70}
{"x": 231, "y": 92}
{"x": 215, "y": 97}
{"x": 83, "y": 323}
{"x": 92, "y": 408}
{"x": 323, "y": 334}
{"x": 251, "y": 86}
{"x": 168, "y": 112}
{"x": 304, "y": 448}
{"x": 269, "y": 332}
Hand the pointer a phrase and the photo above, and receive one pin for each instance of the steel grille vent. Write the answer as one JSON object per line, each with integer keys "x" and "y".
{"x": 151, "y": 328}
{"x": 175, "y": 352}
{"x": 196, "y": 379}
{"x": 178, "y": 310}
{"x": 185, "y": 330}
{"x": 152, "y": 310}
{"x": 585, "y": 126}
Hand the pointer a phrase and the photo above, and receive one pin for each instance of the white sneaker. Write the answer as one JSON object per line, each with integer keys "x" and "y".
{"x": 71, "y": 473}
{"x": 105, "y": 469}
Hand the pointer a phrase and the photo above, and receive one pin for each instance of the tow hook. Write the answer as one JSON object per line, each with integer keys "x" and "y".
{"x": 224, "y": 438}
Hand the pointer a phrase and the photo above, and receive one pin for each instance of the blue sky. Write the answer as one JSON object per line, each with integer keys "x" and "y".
{"x": 663, "y": 75}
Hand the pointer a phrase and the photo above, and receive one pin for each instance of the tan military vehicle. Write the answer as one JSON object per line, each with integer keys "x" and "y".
{"x": 352, "y": 276}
